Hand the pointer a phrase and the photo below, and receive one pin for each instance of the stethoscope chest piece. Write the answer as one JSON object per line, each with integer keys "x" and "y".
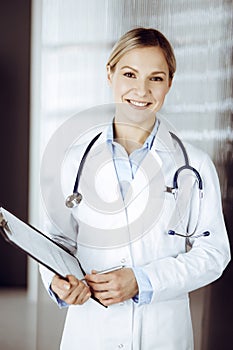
{"x": 73, "y": 200}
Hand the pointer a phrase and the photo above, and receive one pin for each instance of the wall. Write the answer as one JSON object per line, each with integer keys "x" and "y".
{"x": 14, "y": 140}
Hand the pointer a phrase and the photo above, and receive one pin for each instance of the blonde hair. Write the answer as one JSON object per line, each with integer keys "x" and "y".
{"x": 143, "y": 37}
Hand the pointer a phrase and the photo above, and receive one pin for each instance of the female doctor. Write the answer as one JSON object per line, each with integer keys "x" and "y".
{"x": 145, "y": 302}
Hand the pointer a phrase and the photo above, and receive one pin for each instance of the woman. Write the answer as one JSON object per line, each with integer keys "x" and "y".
{"x": 134, "y": 161}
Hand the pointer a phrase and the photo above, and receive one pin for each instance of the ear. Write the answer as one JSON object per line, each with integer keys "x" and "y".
{"x": 169, "y": 84}
{"x": 109, "y": 75}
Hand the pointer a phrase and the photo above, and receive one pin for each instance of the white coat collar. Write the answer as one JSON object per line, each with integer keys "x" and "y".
{"x": 162, "y": 142}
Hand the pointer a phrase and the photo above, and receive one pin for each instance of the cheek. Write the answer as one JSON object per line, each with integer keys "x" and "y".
{"x": 120, "y": 87}
{"x": 160, "y": 93}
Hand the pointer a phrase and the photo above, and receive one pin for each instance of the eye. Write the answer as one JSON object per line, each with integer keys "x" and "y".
{"x": 129, "y": 75}
{"x": 156, "y": 79}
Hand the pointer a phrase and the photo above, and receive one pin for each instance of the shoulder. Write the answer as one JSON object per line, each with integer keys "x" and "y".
{"x": 173, "y": 141}
{"x": 202, "y": 162}
{"x": 197, "y": 156}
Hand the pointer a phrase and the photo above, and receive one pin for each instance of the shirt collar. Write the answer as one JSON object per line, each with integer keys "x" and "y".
{"x": 148, "y": 142}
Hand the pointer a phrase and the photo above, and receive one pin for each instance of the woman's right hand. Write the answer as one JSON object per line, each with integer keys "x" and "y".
{"x": 72, "y": 290}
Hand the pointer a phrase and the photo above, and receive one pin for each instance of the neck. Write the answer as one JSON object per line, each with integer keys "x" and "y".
{"x": 131, "y": 136}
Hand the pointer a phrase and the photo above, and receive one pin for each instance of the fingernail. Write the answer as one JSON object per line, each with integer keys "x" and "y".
{"x": 66, "y": 286}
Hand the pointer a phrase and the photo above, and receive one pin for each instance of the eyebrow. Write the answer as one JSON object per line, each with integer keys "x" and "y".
{"x": 135, "y": 70}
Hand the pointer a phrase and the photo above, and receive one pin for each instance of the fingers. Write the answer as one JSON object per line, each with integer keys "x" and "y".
{"x": 72, "y": 290}
{"x": 79, "y": 292}
{"x": 105, "y": 287}
{"x": 99, "y": 284}
{"x": 108, "y": 297}
{"x": 113, "y": 287}
{"x": 98, "y": 278}
{"x": 59, "y": 284}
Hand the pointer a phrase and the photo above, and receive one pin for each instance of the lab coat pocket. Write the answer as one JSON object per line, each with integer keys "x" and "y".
{"x": 170, "y": 324}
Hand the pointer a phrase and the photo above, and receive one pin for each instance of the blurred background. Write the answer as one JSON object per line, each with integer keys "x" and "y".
{"x": 52, "y": 65}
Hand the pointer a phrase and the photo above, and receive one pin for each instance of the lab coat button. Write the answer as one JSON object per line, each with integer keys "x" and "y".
{"x": 120, "y": 346}
{"x": 123, "y": 260}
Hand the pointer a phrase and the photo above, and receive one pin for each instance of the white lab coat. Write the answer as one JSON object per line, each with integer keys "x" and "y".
{"x": 164, "y": 323}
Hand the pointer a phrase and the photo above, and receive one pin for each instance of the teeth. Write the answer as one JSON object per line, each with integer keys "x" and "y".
{"x": 138, "y": 104}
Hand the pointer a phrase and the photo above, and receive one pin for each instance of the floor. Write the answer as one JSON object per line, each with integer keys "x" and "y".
{"x": 17, "y": 321}
{"x": 22, "y": 327}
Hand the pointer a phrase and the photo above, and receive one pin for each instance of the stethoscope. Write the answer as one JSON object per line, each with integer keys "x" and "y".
{"x": 75, "y": 198}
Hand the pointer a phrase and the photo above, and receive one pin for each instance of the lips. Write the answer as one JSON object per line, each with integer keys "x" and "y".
{"x": 138, "y": 104}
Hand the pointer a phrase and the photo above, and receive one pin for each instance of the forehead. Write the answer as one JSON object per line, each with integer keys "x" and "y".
{"x": 146, "y": 57}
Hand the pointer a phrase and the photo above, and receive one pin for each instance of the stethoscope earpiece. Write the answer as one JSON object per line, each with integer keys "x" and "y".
{"x": 174, "y": 233}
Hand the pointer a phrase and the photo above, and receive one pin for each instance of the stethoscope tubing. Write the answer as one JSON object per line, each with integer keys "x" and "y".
{"x": 76, "y": 197}
{"x": 176, "y": 175}
{"x": 80, "y": 169}
{"x": 187, "y": 167}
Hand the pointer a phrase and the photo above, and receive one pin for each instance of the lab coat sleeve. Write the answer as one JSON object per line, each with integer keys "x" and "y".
{"x": 47, "y": 277}
{"x": 46, "y": 274}
{"x": 65, "y": 234}
{"x": 145, "y": 288}
{"x": 174, "y": 276}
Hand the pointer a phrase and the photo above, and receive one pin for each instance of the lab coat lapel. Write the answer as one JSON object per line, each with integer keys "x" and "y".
{"x": 163, "y": 140}
{"x": 102, "y": 170}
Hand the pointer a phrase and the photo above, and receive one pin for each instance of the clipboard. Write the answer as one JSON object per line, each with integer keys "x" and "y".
{"x": 40, "y": 247}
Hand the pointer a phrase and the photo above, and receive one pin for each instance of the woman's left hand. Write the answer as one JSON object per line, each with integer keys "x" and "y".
{"x": 113, "y": 287}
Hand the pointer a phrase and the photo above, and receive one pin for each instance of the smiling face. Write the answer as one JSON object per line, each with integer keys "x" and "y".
{"x": 140, "y": 81}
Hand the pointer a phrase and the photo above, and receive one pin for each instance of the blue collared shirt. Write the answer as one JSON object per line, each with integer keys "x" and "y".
{"x": 126, "y": 167}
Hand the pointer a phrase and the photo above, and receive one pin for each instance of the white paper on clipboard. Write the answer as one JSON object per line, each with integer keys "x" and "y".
{"x": 40, "y": 247}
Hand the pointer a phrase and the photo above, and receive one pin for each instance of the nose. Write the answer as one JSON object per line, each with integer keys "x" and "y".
{"x": 142, "y": 88}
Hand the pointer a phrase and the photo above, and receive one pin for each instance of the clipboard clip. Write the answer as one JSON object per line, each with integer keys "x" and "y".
{"x": 3, "y": 223}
